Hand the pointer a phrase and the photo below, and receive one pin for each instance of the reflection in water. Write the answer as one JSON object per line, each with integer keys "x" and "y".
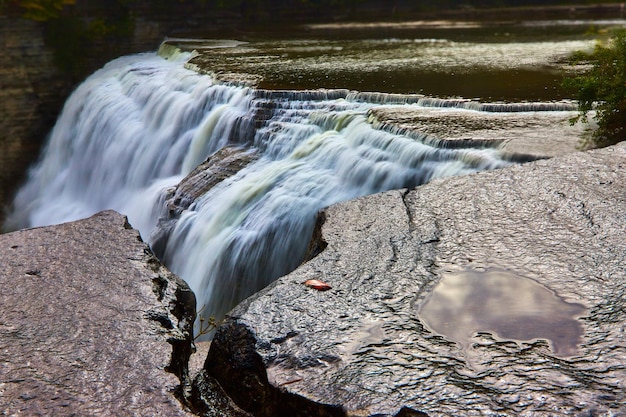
{"x": 370, "y": 334}
{"x": 510, "y": 71}
{"x": 510, "y": 306}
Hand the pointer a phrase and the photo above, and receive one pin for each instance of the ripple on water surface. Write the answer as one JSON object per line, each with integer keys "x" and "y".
{"x": 509, "y": 306}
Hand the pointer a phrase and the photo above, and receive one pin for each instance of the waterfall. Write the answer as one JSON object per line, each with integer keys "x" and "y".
{"x": 139, "y": 125}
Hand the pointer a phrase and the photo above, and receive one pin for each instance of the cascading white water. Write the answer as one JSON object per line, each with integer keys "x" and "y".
{"x": 121, "y": 137}
{"x": 140, "y": 124}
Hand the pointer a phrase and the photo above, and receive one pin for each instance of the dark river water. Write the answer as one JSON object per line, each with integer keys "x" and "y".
{"x": 490, "y": 61}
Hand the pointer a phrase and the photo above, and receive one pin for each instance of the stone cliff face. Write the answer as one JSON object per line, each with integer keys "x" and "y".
{"x": 33, "y": 90}
{"x": 364, "y": 347}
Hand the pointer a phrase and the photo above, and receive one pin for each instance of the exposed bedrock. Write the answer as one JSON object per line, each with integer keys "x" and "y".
{"x": 221, "y": 165}
{"x": 548, "y": 230}
{"x": 534, "y": 130}
{"x": 91, "y": 323}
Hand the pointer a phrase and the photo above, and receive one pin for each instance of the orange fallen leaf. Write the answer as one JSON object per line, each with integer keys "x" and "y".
{"x": 316, "y": 284}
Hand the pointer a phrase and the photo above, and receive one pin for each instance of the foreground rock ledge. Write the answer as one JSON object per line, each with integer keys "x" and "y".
{"x": 91, "y": 323}
{"x": 360, "y": 349}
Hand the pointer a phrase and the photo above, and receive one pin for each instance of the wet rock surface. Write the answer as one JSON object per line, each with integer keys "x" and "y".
{"x": 540, "y": 134}
{"x": 361, "y": 348}
{"x": 91, "y": 323}
{"x": 223, "y": 164}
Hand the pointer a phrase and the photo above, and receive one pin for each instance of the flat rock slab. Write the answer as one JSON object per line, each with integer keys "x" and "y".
{"x": 362, "y": 347}
{"x": 540, "y": 134}
{"x": 91, "y": 323}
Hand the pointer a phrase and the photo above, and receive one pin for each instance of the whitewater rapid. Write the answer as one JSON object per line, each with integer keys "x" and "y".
{"x": 136, "y": 127}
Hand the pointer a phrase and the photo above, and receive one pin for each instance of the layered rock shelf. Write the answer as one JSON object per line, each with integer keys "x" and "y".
{"x": 506, "y": 131}
{"x": 363, "y": 349}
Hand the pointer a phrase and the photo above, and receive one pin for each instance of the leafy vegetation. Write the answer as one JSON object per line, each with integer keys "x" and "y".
{"x": 207, "y": 325}
{"x": 38, "y": 10}
{"x": 603, "y": 88}
{"x": 72, "y": 27}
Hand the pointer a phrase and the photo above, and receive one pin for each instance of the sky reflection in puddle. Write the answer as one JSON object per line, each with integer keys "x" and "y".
{"x": 509, "y": 306}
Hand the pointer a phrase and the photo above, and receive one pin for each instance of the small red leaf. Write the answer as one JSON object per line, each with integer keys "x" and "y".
{"x": 316, "y": 284}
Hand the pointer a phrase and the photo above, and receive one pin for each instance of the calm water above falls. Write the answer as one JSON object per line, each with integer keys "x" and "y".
{"x": 489, "y": 60}
{"x": 140, "y": 124}
{"x": 511, "y": 71}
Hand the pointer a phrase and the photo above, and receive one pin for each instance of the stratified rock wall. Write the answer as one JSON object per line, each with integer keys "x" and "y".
{"x": 32, "y": 91}
{"x": 361, "y": 348}
{"x": 91, "y": 323}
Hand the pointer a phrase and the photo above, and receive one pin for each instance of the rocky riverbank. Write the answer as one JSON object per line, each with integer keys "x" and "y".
{"x": 92, "y": 323}
{"x": 363, "y": 348}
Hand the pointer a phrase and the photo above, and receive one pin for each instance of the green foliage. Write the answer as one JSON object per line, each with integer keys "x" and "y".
{"x": 207, "y": 325}
{"x": 66, "y": 36}
{"x": 70, "y": 36}
{"x": 39, "y": 10}
{"x": 603, "y": 88}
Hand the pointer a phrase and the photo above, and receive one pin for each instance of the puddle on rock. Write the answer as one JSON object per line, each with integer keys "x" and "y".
{"x": 370, "y": 334}
{"x": 509, "y": 306}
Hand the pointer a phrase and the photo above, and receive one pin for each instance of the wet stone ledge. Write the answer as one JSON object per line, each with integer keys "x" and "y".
{"x": 543, "y": 131}
{"x": 363, "y": 347}
{"x": 223, "y": 164}
{"x": 91, "y": 323}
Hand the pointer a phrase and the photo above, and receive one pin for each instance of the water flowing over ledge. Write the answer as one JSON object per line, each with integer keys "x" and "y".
{"x": 139, "y": 125}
